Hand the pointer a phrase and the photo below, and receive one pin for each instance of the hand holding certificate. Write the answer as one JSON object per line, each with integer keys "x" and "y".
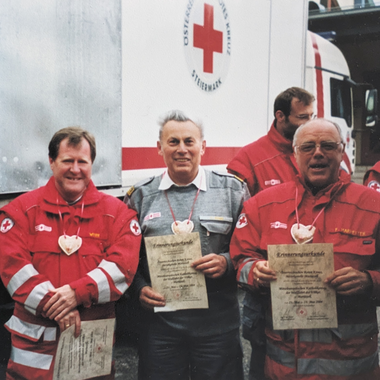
{"x": 300, "y": 298}
{"x": 169, "y": 259}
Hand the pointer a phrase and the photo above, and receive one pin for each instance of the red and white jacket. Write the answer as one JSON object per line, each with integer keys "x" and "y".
{"x": 371, "y": 178}
{"x": 32, "y": 263}
{"x": 267, "y": 162}
{"x": 351, "y": 222}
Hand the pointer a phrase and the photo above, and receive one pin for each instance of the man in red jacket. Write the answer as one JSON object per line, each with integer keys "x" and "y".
{"x": 67, "y": 253}
{"x": 265, "y": 163}
{"x": 372, "y": 177}
{"x": 324, "y": 205}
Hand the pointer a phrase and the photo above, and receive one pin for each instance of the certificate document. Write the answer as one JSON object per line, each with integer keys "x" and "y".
{"x": 169, "y": 259}
{"x": 300, "y": 298}
{"x": 87, "y": 356}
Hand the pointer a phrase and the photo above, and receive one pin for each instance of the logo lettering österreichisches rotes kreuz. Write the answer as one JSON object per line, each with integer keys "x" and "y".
{"x": 207, "y": 42}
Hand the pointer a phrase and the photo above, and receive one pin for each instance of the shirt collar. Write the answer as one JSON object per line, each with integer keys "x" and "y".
{"x": 199, "y": 181}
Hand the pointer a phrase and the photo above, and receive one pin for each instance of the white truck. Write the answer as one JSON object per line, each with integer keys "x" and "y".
{"x": 114, "y": 67}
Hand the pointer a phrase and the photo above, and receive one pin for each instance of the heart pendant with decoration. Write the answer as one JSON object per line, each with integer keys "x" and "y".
{"x": 69, "y": 244}
{"x": 302, "y": 234}
{"x": 184, "y": 227}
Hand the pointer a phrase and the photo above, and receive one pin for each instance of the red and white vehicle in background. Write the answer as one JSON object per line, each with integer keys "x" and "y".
{"x": 115, "y": 67}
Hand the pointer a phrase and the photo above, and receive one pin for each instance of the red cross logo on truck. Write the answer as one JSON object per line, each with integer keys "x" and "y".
{"x": 208, "y": 39}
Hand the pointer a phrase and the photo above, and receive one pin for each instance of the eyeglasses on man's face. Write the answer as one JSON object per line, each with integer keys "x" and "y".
{"x": 324, "y": 146}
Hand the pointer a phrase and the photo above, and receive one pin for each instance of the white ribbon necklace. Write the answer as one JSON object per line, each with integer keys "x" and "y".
{"x": 302, "y": 234}
{"x": 186, "y": 226}
{"x": 70, "y": 244}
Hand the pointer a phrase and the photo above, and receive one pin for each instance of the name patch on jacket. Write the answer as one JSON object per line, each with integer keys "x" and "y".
{"x": 347, "y": 231}
{"x": 152, "y": 215}
{"x": 272, "y": 182}
{"x": 42, "y": 227}
{"x": 278, "y": 225}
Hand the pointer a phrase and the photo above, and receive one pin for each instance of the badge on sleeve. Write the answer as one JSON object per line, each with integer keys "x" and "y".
{"x": 242, "y": 221}
{"x": 374, "y": 185}
{"x": 135, "y": 227}
{"x": 6, "y": 225}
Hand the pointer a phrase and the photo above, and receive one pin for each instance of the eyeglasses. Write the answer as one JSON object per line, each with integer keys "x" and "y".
{"x": 325, "y": 146}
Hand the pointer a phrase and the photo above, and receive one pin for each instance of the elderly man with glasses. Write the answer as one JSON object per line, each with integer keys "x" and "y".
{"x": 334, "y": 210}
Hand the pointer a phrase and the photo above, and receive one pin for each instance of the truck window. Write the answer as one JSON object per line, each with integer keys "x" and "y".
{"x": 341, "y": 100}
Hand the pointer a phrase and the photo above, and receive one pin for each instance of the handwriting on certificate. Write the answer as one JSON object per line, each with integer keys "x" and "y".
{"x": 89, "y": 355}
{"x": 300, "y": 298}
{"x": 169, "y": 259}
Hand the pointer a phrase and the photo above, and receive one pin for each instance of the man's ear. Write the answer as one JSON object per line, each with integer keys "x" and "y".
{"x": 51, "y": 162}
{"x": 279, "y": 115}
{"x": 203, "y": 147}
{"x": 159, "y": 148}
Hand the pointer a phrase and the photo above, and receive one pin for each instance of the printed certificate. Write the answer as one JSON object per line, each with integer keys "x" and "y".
{"x": 87, "y": 356}
{"x": 300, "y": 298}
{"x": 169, "y": 259}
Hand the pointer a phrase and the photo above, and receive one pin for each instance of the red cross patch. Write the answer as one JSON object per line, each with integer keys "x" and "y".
{"x": 374, "y": 185}
{"x": 6, "y": 225}
{"x": 135, "y": 227}
{"x": 242, "y": 221}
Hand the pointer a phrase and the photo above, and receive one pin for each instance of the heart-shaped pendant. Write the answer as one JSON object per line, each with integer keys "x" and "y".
{"x": 69, "y": 244}
{"x": 302, "y": 234}
{"x": 184, "y": 227}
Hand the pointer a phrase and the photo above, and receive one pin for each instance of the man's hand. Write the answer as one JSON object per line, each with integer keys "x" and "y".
{"x": 72, "y": 318}
{"x": 211, "y": 265}
{"x": 61, "y": 303}
{"x": 150, "y": 299}
{"x": 349, "y": 281}
{"x": 262, "y": 274}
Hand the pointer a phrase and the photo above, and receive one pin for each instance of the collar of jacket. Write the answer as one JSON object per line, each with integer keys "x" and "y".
{"x": 52, "y": 201}
{"x": 284, "y": 145}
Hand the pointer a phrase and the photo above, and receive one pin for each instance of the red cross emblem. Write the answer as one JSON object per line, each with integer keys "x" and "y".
{"x": 208, "y": 39}
{"x": 242, "y": 221}
{"x": 6, "y": 225}
{"x": 374, "y": 185}
{"x": 135, "y": 227}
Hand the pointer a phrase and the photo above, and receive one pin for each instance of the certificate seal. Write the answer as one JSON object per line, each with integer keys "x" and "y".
{"x": 302, "y": 312}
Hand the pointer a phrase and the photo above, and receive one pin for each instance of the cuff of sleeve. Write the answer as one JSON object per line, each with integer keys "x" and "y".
{"x": 374, "y": 276}
{"x": 230, "y": 267}
{"x": 82, "y": 293}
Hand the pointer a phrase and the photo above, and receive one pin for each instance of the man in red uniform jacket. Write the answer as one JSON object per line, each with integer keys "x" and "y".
{"x": 67, "y": 253}
{"x": 371, "y": 178}
{"x": 265, "y": 163}
{"x": 323, "y": 204}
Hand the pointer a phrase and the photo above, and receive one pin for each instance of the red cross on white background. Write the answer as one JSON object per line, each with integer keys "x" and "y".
{"x": 375, "y": 186}
{"x": 208, "y": 39}
{"x": 135, "y": 228}
{"x": 6, "y": 225}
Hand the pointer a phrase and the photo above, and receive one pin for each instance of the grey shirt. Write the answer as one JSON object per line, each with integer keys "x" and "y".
{"x": 214, "y": 216}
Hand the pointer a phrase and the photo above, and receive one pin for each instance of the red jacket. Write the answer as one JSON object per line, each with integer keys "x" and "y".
{"x": 267, "y": 162}
{"x": 31, "y": 263}
{"x": 351, "y": 221}
{"x": 372, "y": 177}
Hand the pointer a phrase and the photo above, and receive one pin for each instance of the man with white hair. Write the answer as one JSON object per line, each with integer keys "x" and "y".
{"x": 331, "y": 209}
